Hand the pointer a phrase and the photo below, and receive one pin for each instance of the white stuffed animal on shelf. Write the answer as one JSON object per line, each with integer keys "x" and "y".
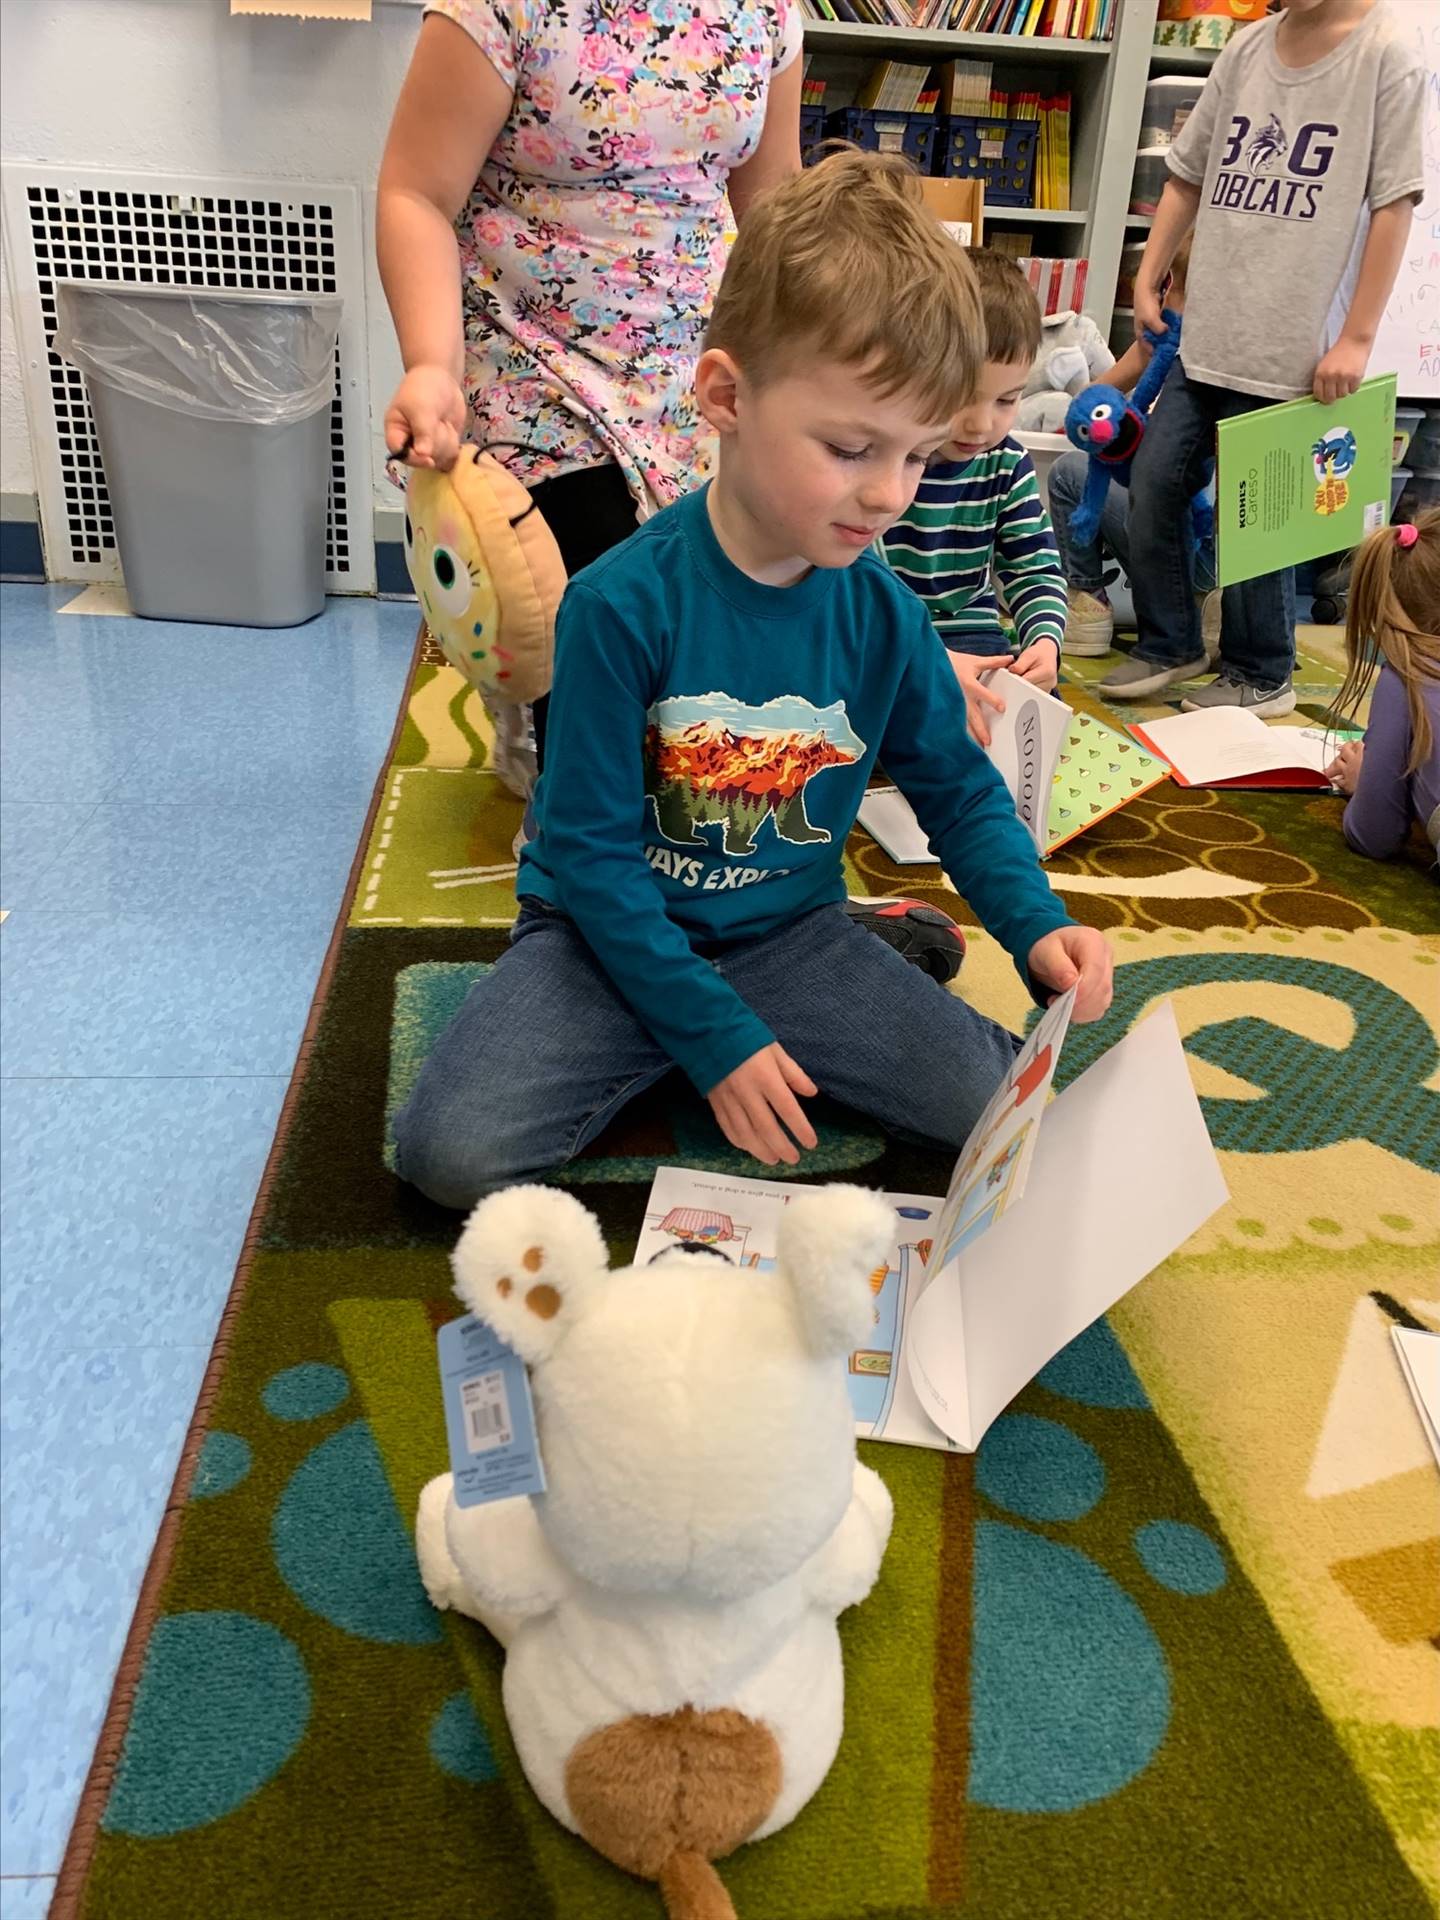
{"x": 673, "y": 1677}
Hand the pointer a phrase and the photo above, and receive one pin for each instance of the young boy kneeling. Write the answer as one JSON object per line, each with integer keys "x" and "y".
{"x": 724, "y": 683}
{"x": 978, "y": 514}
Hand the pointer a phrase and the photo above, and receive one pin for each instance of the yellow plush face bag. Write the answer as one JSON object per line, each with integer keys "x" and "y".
{"x": 487, "y": 573}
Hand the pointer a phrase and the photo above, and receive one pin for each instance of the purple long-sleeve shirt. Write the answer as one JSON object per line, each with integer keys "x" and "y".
{"x": 1386, "y": 798}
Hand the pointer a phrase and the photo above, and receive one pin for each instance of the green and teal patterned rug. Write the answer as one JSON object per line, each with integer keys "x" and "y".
{"x": 1165, "y": 1646}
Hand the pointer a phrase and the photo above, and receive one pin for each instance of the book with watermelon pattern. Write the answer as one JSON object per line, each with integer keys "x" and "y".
{"x": 1039, "y": 746}
{"x": 1098, "y": 772}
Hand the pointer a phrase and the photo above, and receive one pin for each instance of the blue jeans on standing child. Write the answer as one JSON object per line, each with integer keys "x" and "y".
{"x": 1084, "y": 567}
{"x": 1257, "y": 638}
{"x": 546, "y": 1051}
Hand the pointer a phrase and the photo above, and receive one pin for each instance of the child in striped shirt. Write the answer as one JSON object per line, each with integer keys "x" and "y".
{"x": 979, "y": 508}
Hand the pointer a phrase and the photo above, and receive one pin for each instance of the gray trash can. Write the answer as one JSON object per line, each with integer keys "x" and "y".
{"x": 213, "y": 411}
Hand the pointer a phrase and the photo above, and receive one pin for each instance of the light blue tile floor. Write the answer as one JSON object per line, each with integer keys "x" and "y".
{"x": 179, "y": 807}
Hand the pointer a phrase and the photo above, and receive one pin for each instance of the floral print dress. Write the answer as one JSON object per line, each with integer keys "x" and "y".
{"x": 594, "y": 239}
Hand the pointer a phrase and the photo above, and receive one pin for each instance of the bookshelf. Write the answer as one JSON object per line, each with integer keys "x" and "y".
{"x": 1106, "y": 80}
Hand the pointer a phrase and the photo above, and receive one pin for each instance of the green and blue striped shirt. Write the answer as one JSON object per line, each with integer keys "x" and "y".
{"x": 967, "y": 517}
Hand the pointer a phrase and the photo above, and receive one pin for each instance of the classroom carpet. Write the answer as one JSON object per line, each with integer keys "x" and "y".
{"x": 1166, "y": 1645}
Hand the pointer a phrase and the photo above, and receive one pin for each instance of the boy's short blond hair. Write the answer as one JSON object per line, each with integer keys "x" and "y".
{"x": 1012, "y": 313}
{"x": 844, "y": 262}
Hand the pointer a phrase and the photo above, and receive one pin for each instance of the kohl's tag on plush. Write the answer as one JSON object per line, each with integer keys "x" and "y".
{"x": 489, "y": 1415}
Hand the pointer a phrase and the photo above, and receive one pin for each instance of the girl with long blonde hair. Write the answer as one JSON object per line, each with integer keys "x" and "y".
{"x": 1392, "y": 776}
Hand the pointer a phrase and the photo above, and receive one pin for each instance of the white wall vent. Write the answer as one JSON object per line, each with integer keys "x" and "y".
{"x": 280, "y": 237}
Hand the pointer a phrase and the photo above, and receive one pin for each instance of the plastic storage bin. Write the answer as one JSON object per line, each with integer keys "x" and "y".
{"x": 213, "y": 412}
{"x": 1420, "y": 492}
{"x": 999, "y": 152}
{"x": 1148, "y": 181}
{"x": 1424, "y": 451}
{"x": 1130, "y": 258}
{"x": 1169, "y": 102}
{"x": 1407, "y": 419}
{"x": 812, "y": 132}
{"x": 881, "y": 131}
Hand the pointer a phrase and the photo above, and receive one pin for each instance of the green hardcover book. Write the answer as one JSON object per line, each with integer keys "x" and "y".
{"x": 1300, "y": 480}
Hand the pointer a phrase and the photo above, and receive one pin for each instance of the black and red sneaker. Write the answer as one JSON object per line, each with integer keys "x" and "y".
{"x": 921, "y": 934}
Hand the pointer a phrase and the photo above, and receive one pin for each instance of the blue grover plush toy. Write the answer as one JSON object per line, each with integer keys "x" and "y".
{"x": 1102, "y": 423}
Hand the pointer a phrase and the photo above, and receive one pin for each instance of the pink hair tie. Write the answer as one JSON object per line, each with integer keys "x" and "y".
{"x": 1406, "y": 534}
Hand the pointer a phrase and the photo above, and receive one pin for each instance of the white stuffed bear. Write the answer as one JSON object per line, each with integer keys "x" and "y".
{"x": 673, "y": 1677}
{"x": 1073, "y": 353}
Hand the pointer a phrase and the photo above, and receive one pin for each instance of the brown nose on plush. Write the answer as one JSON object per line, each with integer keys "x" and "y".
{"x": 662, "y": 1795}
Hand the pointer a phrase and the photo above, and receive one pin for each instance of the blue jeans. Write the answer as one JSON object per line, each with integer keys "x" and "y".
{"x": 545, "y": 1051}
{"x": 1257, "y": 635}
{"x": 1085, "y": 566}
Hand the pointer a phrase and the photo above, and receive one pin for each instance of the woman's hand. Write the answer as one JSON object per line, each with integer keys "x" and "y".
{"x": 425, "y": 422}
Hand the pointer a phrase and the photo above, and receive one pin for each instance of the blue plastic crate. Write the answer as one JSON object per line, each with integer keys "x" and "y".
{"x": 877, "y": 130}
{"x": 812, "y": 132}
{"x": 999, "y": 152}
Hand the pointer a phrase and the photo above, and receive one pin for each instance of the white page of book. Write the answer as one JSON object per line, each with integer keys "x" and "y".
{"x": 1419, "y": 1353}
{"x": 741, "y": 1217}
{"x": 889, "y": 819}
{"x": 1026, "y": 742}
{"x": 1124, "y": 1172}
{"x": 1227, "y": 743}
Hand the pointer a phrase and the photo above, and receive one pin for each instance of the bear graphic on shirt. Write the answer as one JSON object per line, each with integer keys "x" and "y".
{"x": 711, "y": 759}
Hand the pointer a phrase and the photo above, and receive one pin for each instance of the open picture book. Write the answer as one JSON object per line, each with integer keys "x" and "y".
{"x": 1064, "y": 771}
{"x": 1055, "y": 1210}
{"x": 1229, "y": 747}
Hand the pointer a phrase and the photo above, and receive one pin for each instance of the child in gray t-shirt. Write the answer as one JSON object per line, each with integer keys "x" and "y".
{"x": 1298, "y": 169}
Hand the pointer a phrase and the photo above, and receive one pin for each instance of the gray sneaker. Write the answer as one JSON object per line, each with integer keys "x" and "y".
{"x": 1227, "y": 689}
{"x": 1134, "y": 678}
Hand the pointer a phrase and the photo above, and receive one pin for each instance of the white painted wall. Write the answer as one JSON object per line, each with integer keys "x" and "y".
{"x": 179, "y": 86}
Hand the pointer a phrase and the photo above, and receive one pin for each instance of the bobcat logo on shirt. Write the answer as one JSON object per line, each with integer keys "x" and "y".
{"x": 1265, "y": 149}
{"x": 1263, "y": 171}
{"x": 712, "y": 760}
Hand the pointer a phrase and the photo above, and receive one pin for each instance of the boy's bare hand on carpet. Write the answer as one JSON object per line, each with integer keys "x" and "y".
{"x": 756, "y": 1104}
{"x": 1074, "y": 956}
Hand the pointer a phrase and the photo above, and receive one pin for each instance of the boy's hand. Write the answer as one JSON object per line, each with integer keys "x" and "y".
{"x": 752, "y": 1102}
{"x": 1343, "y": 772}
{"x": 1341, "y": 371}
{"x": 968, "y": 669}
{"x": 426, "y": 419}
{"x": 1149, "y": 311}
{"x": 1039, "y": 664}
{"x": 1071, "y": 956}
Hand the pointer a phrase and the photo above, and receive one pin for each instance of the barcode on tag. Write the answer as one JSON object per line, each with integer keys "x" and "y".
{"x": 487, "y": 1412}
{"x": 1375, "y": 515}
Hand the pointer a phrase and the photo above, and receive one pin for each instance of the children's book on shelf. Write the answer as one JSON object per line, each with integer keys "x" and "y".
{"x": 1301, "y": 480}
{"x": 981, "y": 1289}
{"x": 1228, "y": 747}
{"x": 1065, "y": 771}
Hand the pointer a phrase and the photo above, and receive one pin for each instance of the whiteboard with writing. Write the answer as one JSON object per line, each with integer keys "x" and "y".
{"x": 1408, "y": 343}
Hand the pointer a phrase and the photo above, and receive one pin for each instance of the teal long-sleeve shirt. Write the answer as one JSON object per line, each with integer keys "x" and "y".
{"x": 708, "y": 745}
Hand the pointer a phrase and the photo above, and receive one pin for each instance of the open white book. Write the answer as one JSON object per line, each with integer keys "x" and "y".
{"x": 1419, "y": 1354}
{"x": 1054, "y": 1212}
{"x": 1231, "y": 747}
{"x": 1065, "y": 771}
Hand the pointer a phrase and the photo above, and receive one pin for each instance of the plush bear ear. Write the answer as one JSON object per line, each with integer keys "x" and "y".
{"x": 526, "y": 1262}
{"x": 830, "y": 1243}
